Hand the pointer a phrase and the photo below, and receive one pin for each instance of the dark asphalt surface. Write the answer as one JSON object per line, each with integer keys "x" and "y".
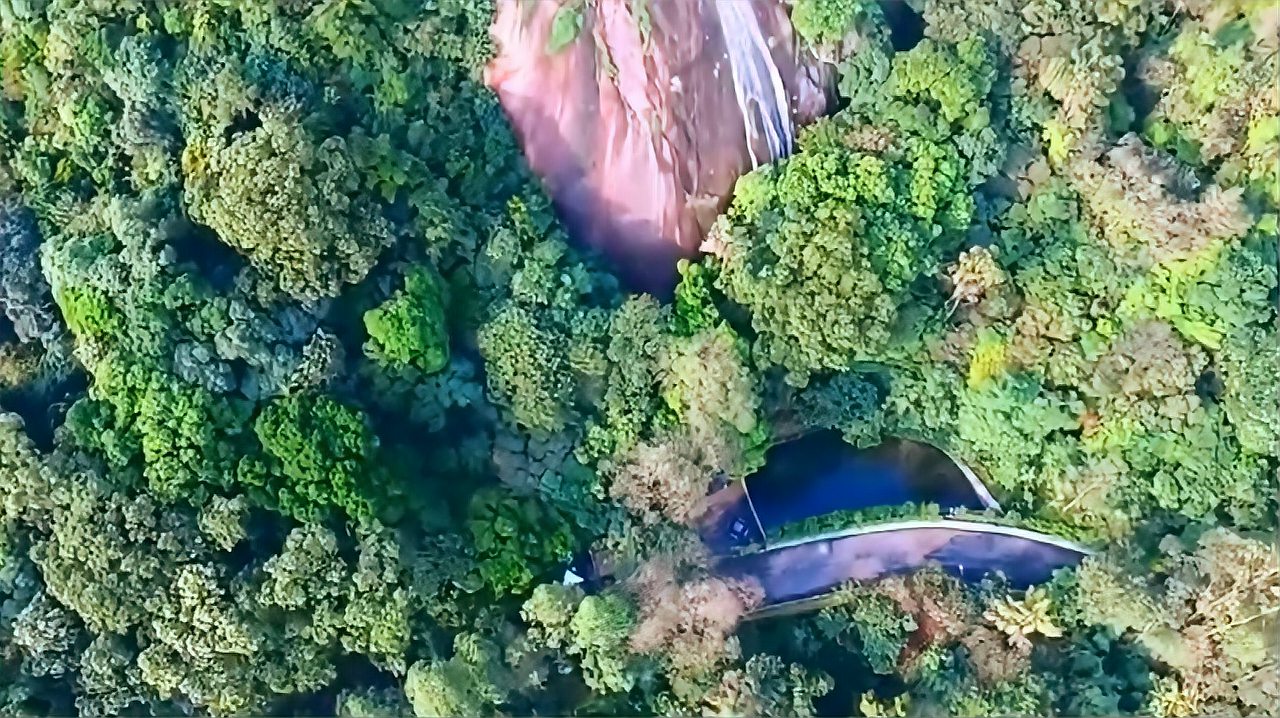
{"x": 970, "y": 551}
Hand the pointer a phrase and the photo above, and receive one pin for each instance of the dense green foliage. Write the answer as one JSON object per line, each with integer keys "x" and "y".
{"x": 409, "y": 329}
{"x": 307, "y": 399}
{"x": 895, "y": 179}
{"x": 841, "y": 520}
{"x": 316, "y": 453}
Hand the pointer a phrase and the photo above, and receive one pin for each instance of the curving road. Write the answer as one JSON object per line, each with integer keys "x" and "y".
{"x": 798, "y": 574}
{"x": 820, "y": 474}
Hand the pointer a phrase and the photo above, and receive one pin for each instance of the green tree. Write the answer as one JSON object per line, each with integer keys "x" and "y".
{"x": 823, "y": 247}
{"x": 290, "y": 203}
{"x": 878, "y": 623}
{"x": 517, "y": 539}
{"x": 409, "y": 329}
{"x": 472, "y": 682}
{"x": 636, "y": 350}
{"x": 1250, "y": 386}
{"x": 528, "y": 367}
{"x": 318, "y": 455}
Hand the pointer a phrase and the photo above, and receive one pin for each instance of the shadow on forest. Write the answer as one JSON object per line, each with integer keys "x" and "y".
{"x": 200, "y": 247}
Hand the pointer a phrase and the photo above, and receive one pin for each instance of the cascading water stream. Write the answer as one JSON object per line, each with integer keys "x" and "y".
{"x": 758, "y": 86}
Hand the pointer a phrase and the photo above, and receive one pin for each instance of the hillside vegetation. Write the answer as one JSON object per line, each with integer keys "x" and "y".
{"x": 308, "y": 400}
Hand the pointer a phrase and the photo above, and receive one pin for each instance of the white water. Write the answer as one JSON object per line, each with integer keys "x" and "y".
{"x": 757, "y": 84}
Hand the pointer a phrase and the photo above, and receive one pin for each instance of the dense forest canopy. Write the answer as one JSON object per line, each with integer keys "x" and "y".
{"x": 308, "y": 400}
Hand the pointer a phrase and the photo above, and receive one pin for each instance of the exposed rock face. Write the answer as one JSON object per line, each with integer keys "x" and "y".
{"x": 643, "y": 122}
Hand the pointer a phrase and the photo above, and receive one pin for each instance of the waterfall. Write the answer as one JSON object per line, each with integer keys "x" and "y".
{"x": 757, "y": 84}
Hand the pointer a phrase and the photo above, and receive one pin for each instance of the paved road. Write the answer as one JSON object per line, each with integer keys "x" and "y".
{"x": 820, "y": 474}
{"x": 796, "y": 572}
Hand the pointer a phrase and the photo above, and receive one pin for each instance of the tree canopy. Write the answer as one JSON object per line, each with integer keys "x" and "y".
{"x": 308, "y": 401}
